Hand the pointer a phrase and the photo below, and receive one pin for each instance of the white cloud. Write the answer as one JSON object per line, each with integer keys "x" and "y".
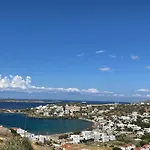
{"x": 106, "y": 92}
{"x": 95, "y": 91}
{"x": 100, "y": 95}
{"x": 147, "y": 67}
{"x": 99, "y": 52}
{"x": 143, "y": 90}
{"x": 112, "y": 56}
{"x": 121, "y": 95}
{"x": 118, "y": 95}
{"x": 137, "y": 95}
{"x": 105, "y": 69}
{"x": 92, "y": 90}
{"x": 133, "y": 57}
{"x": 20, "y": 84}
{"x": 15, "y": 82}
{"x": 79, "y": 55}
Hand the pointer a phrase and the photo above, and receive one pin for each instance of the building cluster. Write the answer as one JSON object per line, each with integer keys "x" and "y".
{"x": 32, "y": 137}
{"x": 94, "y": 135}
{"x": 69, "y": 110}
{"x": 109, "y": 123}
{"x": 110, "y": 120}
{"x": 55, "y": 110}
{"x": 133, "y": 147}
{"x": 134, "y": 122}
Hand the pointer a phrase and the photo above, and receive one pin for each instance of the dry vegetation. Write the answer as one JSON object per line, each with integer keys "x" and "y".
{"x": 37, "y": 147}
{"x": 86, "y": 147}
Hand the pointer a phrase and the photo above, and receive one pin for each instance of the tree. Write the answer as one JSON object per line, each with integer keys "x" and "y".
{"x": 142, "y": 143}
{"x": 116, "y": 148}
{"x": 77, "y": 132}
{"x": 64, "y": 136}
{"x": 14, "y": 132}
{"x": 49, "y": 142}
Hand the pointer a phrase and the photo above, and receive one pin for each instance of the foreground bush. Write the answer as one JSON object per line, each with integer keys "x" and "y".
{"x": 116, "y": 148}
{"x": 17, "y": 143}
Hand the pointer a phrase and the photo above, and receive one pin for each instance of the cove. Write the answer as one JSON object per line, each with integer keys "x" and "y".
{"x": 43, "y": 126}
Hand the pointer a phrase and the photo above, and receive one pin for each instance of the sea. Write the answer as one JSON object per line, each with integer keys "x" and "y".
{"x": 23, "y": 105}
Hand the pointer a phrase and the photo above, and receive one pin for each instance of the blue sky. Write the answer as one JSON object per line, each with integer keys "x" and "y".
{"x": 91, "y": 49}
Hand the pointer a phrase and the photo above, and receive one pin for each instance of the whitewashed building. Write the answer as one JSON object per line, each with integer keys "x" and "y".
{"x": 21, "y": 132}
{"x": 75, "y": 139}
{"x": 128, "y": 147}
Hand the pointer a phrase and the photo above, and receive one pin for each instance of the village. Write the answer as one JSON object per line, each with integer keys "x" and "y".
{"x": 118, "y": 125}
{"x": 125, "y": 126}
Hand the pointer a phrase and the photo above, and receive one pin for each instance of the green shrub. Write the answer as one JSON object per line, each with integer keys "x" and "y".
{"x": 64, "y": 136}
{"x": 14, "y": 132}
{"x": 77, "y": 132}
{"x": 17, "y": 143}
{"x": 142, "y": 143}
{"x": 116, "y": 148}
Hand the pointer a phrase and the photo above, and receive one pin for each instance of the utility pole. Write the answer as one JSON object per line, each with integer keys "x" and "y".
{"x": 25, "y": 124}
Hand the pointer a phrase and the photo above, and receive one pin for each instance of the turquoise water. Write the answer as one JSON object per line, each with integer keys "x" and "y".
{"x": 43, "y": 126}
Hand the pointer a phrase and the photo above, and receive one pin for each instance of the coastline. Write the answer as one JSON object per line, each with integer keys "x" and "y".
{"x": 56, "y": 135}
{"x": 92, "y": 121}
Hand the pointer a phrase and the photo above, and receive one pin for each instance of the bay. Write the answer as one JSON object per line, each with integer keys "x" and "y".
{"x": 43, "y": 126}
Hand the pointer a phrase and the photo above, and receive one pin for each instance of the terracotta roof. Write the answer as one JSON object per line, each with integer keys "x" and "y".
{"x": 127, "y": 145}
{"x": 137, "y": 148}
{"x": 123, "y": 146}
{"x": 66, "y": 145}
{"x": 14, "y": 128}
{"x": 146, "y": 145}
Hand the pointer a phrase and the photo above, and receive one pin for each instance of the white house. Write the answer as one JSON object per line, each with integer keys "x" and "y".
{"x": 128, "y": 147}
{"x": 147, "y": 130}
{"x": 46, "y": 114}
{"x": 87, "y": 135}
{"x": 105, "y": 138}
{"x": 75, "y": 138}
{"x": 21, "y": 132}
{"x": 40, "y": 138}
{"x": 96, "y": 135}
{"x": 112, "y": 138}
